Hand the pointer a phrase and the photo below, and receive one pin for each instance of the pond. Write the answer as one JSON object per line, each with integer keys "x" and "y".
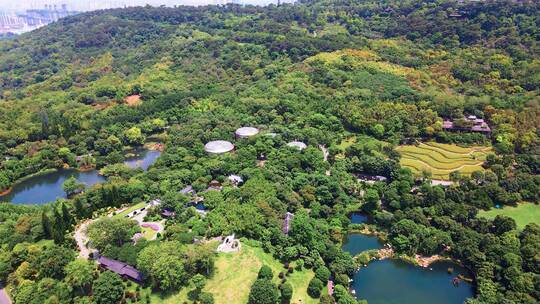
{"x": 143, "y": 159}
{"x": 394, "y": 281}
{"x": 358, "y": 218}
{"x": 199, "y": 206}
{"x": 47, "y": 188}
{"x": 355, "y": 243}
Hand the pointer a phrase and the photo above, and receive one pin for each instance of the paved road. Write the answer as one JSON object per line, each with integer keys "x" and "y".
{"x": 4, "y": 298}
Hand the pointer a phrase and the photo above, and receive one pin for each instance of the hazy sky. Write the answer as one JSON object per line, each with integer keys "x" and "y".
{"x": 85, "y": 5}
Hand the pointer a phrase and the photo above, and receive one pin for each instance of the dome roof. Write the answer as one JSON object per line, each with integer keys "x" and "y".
{"x": 297, "y": 144}
{"x": 218, "y": 146}
{"x": 246, "y": 131}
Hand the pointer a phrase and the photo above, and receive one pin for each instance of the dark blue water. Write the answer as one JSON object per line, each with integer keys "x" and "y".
{"x": 143, "y": 159}
{"x": 356, "y": 243}
{"x": 397, "y": 282}
{"x": 198, "y": 206}
{"x": 358, "y": 218}
{"x": 48, "y": 187}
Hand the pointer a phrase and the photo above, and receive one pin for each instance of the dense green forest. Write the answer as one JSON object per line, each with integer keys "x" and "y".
{"x": 324, "y": 72}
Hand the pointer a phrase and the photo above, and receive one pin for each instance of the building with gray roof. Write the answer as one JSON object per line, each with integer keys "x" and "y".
{"x": 245, "y": 132}
{"x": 297, "y": 144}
{"x": 218, "y": 147}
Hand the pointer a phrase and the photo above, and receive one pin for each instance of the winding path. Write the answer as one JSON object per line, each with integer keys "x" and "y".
{"x": 325, "y": 157}
{"x": 325, "y": 152}
{"x": 82, "y": 239}
{"x": 4, "y": 297}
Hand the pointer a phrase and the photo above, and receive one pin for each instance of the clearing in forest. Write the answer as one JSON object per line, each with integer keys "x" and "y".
{"x": 133, "y": 100}
{"x": 235, "y": 273}
{"x": 523, "y": 213}
{"x": 442, "y": 159}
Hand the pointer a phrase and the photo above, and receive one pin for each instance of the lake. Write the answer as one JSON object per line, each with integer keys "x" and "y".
{"x": 47, "y": 188}
{"x": 142, "y": 159}
{"x": 393, "y": 281}
{"x": 358, "y": 218}
{"x": 355, "y": 243}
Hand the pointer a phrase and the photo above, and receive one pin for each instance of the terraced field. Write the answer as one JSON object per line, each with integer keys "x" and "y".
{"x": 442, "y": 159}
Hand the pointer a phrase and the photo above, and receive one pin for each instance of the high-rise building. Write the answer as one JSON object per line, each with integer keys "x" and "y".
{"x": 32, "y": 18}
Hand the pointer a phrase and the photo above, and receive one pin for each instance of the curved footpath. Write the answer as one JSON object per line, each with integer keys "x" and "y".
{"x": 4, "y": 298}
{"x": 81, "y": 239}
{"x": 325, "y": 157}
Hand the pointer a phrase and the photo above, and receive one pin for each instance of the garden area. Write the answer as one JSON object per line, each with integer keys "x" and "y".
{"x": 442, "y": 159}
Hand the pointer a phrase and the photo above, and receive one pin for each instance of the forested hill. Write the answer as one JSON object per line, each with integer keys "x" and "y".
{"x": 296, "y": 30}
{"x": 486, "y": 51}
{"x": 359, "y": 82}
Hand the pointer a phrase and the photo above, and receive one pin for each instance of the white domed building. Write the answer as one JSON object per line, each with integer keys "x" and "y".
{"x": 297, "y": 144}
{"x": 218, "y": 147}
{"x": 245, "y": 132}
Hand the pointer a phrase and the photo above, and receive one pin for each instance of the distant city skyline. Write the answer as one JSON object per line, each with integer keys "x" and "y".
{"x": 81, "y": 5}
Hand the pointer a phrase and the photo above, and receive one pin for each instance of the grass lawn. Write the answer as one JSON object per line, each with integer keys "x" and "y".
{"x": 236, "y": 272}
{"x": 347, "y": 142}
{"x": 442, "y": 159}
{"x": 234, "y": 275}
{"x": 148, "y": 233}
{"x": 374, "y": 144}
{"x": 523, "y": 214}
{"x": 46, "y": 243}
{"x": 130, "y": 209}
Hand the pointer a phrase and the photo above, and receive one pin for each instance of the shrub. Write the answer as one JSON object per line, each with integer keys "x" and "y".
{"x": 327, "y": 299}
{"x": 206, "y": 298}
{"x": 363, "y": 258}
{"x": 263, "y": 292}
{"x": 314, "y": 288}
{"x": 322, "y": 273}
{"x": 299, "y": 265}
{"x": 265, "y": 273}
{"x": 286, "y": 292}
{"x": 341, "y": 279}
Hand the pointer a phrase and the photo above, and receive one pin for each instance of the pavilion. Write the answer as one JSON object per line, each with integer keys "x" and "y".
{"x": 297, "y": 144}
{"x": 245, "y": 132}
{"x": 218, "y": 147}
